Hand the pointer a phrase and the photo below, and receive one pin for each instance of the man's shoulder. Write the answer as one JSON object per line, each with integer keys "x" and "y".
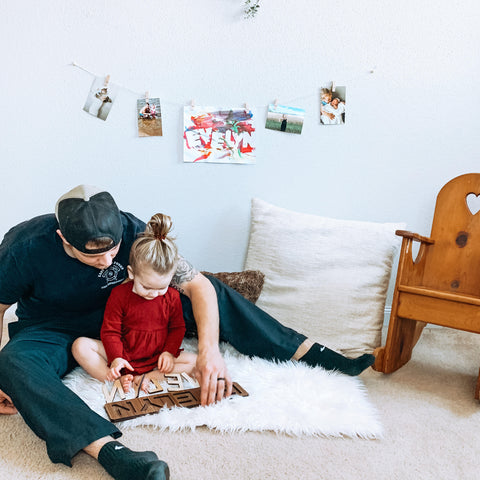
{"x": 132, "y": 225}
{"x": 32, "y": 231}
{"x": 130, "y": 218}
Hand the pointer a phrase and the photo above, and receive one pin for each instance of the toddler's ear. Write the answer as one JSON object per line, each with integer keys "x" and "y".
{"x": 131, "y": 276}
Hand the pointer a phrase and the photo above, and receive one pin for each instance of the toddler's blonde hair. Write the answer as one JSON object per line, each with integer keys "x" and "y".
{"x": 325, "y": 92}
{"x": 155, "y": 248}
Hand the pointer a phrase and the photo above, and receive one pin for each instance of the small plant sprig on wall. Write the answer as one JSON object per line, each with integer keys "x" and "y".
{"x": 251, "y": 8}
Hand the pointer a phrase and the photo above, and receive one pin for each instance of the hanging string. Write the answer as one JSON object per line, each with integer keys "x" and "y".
{"x": 138, "y": 94}
{"x": 75, "y": 64}
{"x": 287, "y": 102}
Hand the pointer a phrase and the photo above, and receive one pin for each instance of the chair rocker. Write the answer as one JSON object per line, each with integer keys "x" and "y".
{"x": 441, "y": 285}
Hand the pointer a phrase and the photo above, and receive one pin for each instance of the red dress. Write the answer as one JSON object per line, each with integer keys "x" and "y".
{"x": 139, "y": 330}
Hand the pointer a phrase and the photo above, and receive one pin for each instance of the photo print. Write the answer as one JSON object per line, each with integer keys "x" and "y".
{"x": 332, "y": 106}
{"x": 149, "y": 117}
{"x": 100, "y": 98}
{"x": 218, "y": 135}
{"x": 285, "y": 119}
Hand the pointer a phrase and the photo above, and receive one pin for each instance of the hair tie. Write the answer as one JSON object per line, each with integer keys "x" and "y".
{"x": 160, "y": 237}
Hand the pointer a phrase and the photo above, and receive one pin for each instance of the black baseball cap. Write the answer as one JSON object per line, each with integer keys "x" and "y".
{"x": 87, "y": 213}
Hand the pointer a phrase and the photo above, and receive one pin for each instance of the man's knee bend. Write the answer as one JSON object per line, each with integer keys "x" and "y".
{"x": 11, "y": 365}
{"x": 10, "y": 359}
{"x": 16, "y": 361}
{"x": 6, "y": 358}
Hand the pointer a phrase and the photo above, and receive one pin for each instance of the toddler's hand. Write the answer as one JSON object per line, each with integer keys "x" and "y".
{"x": 116, "y": 367}
{"x": 166, "y": 362}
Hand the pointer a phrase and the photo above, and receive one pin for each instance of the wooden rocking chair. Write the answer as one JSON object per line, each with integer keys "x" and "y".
{"x": 442, "y": 284}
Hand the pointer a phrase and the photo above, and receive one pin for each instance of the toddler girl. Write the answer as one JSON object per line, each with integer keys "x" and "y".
{"x": 143, "y": 325}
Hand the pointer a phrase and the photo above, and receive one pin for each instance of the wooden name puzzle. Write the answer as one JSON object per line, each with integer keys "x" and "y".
{"x": 174, "y": 382}
{"x": 136, "y": 407}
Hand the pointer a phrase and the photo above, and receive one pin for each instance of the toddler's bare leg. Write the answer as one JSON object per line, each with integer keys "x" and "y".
{"x": 185, "y": 362}
{"x": 91, "y": 356}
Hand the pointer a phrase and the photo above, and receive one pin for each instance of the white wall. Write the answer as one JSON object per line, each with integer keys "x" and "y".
{"x": 410, "y": 125}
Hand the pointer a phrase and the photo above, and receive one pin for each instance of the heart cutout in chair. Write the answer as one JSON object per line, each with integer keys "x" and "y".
{"x": 473, "y": 203}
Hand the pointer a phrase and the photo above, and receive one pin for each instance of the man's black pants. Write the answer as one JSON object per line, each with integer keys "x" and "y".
{"x": 35, "y": 360}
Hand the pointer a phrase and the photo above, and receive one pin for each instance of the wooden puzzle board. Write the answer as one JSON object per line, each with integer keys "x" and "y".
{"x": 136, "y": 407}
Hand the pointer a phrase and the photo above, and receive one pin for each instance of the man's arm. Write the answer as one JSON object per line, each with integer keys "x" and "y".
{"x": 210, "y": 363}
{"x": 6, "y": 405}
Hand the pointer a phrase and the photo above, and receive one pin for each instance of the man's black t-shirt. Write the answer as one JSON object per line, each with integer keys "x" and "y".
{"x": 52, "y": 289}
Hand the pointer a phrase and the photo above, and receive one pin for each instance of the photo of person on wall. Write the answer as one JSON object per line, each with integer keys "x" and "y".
{"x": 332, "y": 106}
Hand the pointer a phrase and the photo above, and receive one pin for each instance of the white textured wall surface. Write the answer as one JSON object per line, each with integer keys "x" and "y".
{"x": 411, "y": 125}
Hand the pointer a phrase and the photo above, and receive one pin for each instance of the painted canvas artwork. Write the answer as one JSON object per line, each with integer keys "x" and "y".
{"x": 218, "y": 135}
{"x": 285, "y": 119}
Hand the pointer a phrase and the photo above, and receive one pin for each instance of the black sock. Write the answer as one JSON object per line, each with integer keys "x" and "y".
{"x": 321, "y": 356}
{"x": 125, "y": 464}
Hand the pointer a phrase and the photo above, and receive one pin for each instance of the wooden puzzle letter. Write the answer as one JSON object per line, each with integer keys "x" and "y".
{"x": 190, "y": 380}
{"x": 157, "y": 386}
{"x": 164, "y": 399}
{"x": 186, "y": 399}
{"x": 120, "y": 411}
{"x": 175, "y": 380}
{"x": 110, "y": 395}
{"x": 238, "y": 390}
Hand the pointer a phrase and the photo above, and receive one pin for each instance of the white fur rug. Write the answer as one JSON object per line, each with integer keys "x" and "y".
{"x": 284, "y": 397}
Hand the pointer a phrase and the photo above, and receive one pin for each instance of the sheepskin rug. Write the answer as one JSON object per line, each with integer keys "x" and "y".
{"x": 287, "y": 397}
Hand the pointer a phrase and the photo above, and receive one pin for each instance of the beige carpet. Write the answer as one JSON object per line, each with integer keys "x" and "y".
{"x": 430, "y": 417}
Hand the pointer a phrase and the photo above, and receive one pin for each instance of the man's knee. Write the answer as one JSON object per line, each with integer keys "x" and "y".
{"x": 12, "y": 358}
{"x": 13, "y": 365}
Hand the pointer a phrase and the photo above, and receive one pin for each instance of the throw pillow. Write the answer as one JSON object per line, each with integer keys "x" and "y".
{"x": 248, "y": 283}
{"x": 325, "y": 278}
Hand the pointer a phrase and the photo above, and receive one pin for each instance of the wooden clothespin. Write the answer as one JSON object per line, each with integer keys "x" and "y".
{"x": 105, "y": 83}
{"x": 146, "y": 96}
{"x": 192, "y": 104}
{"x": 276, "y": 103}
{"x": 333, "y": 86}
{"x": 245, "y": 106}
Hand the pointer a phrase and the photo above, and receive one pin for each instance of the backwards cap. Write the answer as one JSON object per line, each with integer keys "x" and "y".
{"x": 87, "y": 213}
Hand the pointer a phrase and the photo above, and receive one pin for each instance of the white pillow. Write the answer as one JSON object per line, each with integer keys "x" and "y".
{"x": 325, "y": 278}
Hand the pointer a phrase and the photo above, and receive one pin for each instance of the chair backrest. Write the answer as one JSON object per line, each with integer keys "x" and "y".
{"x": 453, "y": 262}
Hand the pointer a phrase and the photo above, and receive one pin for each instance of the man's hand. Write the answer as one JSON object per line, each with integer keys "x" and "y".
{"x": 213, "y": 376}
{"x": 6, "y": 405}
{"x": 211, "y": 373}
{"x": 116, "y": 367}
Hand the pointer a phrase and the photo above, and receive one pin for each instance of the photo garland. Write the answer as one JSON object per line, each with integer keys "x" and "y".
{"x": 216, "y": 134}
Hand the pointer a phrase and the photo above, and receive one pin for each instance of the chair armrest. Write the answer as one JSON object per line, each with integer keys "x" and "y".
{"x": 414, "y": 236}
